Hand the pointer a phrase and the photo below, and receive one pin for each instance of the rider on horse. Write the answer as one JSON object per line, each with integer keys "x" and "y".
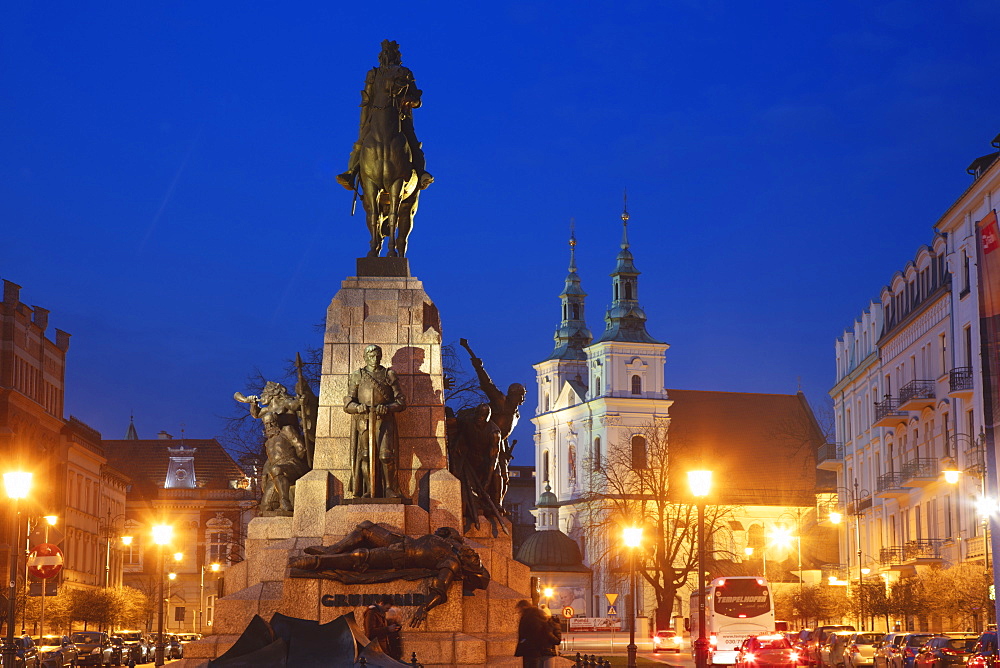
{"x": 410, "y": 100}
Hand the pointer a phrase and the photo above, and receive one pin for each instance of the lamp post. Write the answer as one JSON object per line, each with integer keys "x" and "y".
{"x": 633, "y": 539}
{"x": 215, "y": 567}
{"x": 851, "y": 502}
{"x": 162, "y": 535}
{"x": 109, "y": 528}
{"x": 17, "y": 485}
{"x": 700, "y": 483}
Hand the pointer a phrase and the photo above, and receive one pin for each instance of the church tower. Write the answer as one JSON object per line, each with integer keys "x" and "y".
{"x": 565, "y": 369}
{"x": 625, "y": 361}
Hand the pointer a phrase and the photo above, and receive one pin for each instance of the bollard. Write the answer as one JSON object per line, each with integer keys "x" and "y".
{"x": 413, "y": 661}
{"x": 579, "y": 660}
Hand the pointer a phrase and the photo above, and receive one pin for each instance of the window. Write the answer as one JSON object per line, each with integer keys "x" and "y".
{"x": 968, "y": 346}
{"x": 597, "y": 455}
{"x": 545, "y": 466}
{"x": 133, "y": 552}
{"x": 597, "y": 386}
{"x": 628, "y": 291}
{"x": 576, "y": 311}
{"x": 636, "y": 384}
{"x": 965, "y": 272}
{"x": 218, "y": 537}
{"x": 639, "y": 460}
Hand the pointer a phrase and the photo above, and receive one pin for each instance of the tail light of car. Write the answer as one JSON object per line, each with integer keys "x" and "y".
{"x": 749, "y": 656}
{"x": 911, "y": 652}
{"x": 794, "y": 656}
{"x": 948, "y": 650}
{"x": 853, "y": 649}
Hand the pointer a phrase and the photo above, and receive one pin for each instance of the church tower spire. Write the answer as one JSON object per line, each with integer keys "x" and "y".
{"x": 625, "y": 320}
{"x": 572, "y": 336}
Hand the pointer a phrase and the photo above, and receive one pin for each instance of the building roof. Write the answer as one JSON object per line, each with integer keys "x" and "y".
{"x": 760, "y": 447}
{"x": 146, "y": 462}
{"x": 552, "y": 551}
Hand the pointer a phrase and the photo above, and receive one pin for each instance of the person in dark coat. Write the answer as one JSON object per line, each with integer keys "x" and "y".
{"x": 375, "y": 624}
{"x": 535, "y": 637}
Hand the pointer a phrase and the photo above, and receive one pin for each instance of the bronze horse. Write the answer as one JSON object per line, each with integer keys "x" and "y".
{"x": 388, "y": 180}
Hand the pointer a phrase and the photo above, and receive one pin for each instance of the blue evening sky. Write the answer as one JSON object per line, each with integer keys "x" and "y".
{"x": 166, "y": 177}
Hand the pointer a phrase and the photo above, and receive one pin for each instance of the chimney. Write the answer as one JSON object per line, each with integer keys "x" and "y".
{"x": 11, "y": 292}
{"x": 164, "y": 436}
{"x": 62, "y": 340}
{"x": 40, "y": 317}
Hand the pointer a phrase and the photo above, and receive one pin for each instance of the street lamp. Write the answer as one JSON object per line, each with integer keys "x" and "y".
{"x": 632, "y": 537}
{"x": 17, "y": 484}
{"x": 852, "y": 506}
{"x": 162, "y": 535}
{"x": 109, "y": 528}
{"x": 215, "y": 567}
{"x": 700, "y": 483}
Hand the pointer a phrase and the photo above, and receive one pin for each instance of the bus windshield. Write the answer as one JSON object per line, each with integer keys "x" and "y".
{"x": 742, "y": 597}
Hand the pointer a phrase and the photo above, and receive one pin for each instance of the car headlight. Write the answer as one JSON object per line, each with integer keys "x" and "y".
{"x": 96, "y": 650}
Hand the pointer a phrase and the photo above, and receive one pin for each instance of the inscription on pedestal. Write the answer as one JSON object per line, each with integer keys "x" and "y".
{"x": 355, "y": 600}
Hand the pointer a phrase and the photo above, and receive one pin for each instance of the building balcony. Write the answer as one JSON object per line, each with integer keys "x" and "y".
{"x": 888, "y": 413}
{"x": 830, "y": 457}
{"x": 916, "y": 395}
{"x": 890, "y": 486}
{"x": 920, "y": 472}
{"x": 960, "y": 382}
{"x": 911, "y": 553}
{"x": 975, "y": 548}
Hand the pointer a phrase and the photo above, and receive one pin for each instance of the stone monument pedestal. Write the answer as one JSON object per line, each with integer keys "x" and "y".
{"x": 393, "y": 311}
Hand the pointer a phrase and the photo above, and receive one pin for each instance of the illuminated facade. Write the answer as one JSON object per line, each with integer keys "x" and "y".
{"x": 597, "y": 397}
{"x": 908, "y": 406}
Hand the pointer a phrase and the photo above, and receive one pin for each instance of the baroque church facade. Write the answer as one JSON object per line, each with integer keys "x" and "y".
{"x": 599, "y": 397}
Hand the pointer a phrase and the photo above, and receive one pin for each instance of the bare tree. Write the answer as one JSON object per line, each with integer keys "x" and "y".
{"x": 461, "y": 386}
{"x": 631, "y": 486}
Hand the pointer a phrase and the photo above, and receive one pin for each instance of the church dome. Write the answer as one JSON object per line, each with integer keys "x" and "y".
{"x": 551, "y": 551}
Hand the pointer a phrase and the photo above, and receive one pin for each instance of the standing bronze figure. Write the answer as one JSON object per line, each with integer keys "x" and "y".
{"x": 387, "y": 165}
{"x": 373, "y": 398}
{"x": 504, "y": 413}
{"x": 289, "y": 432}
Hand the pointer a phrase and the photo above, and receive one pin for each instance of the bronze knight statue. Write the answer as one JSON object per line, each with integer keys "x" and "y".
{"x": 386, "y": 167}
{"x": 371, "y": 553}
{"x": 373, "y": 398}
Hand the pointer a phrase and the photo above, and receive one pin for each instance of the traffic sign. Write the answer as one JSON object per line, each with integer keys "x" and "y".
{"x": 611, "y": 598}
{"x": 568, "y": 611}
{"x": 612, "y": 611}
{"x": 45, "y": 561}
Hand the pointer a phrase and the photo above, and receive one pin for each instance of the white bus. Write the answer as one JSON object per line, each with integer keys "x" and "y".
{"x": 736, "y": 607}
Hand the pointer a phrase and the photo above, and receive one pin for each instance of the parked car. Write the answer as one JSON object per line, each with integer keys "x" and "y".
{"x": 95, "y": 647}
{"x": 984, "y": 652}
{"x": 908, "y": 648}
{"x": 667, "y": 640}
{"x": 811, "y": 641}
{"x": 138, "y": 649}
{"x": 26, "y": 653}
{"x": 860, "y": 650}
{"x": 766, "y": 651}
{"x": 119, "y": 653}
{"x": 56, "y": 651}
{"x": 172, "y": 647}
{"x": 831, "y": 652}
{"x": 887, "y": 649}
{"x": 185, "y": 638}
{"x": 949, "y": 649}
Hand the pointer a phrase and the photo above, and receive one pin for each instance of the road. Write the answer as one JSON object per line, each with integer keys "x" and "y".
{"x": 608, "y": 644}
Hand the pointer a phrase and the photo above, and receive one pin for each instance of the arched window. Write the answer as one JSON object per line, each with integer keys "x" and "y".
{"x": 628, "y": 291}
{"x": 636, "y": 384}
{"x": 597, "y": 455}
{"x": 576, "y": 311}
{"x": 597, "y": 386}
{"x": 755, "y": 537}
{"x": 545, "y": 466}
{"x": 639, "y": 460}
{"x": 546, "y": 408}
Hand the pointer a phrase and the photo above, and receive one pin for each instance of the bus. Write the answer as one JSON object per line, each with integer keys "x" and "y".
{"x": 735, "y": 608}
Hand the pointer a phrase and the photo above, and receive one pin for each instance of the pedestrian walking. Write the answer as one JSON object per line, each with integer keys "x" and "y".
{"x": 536, "y": 640}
